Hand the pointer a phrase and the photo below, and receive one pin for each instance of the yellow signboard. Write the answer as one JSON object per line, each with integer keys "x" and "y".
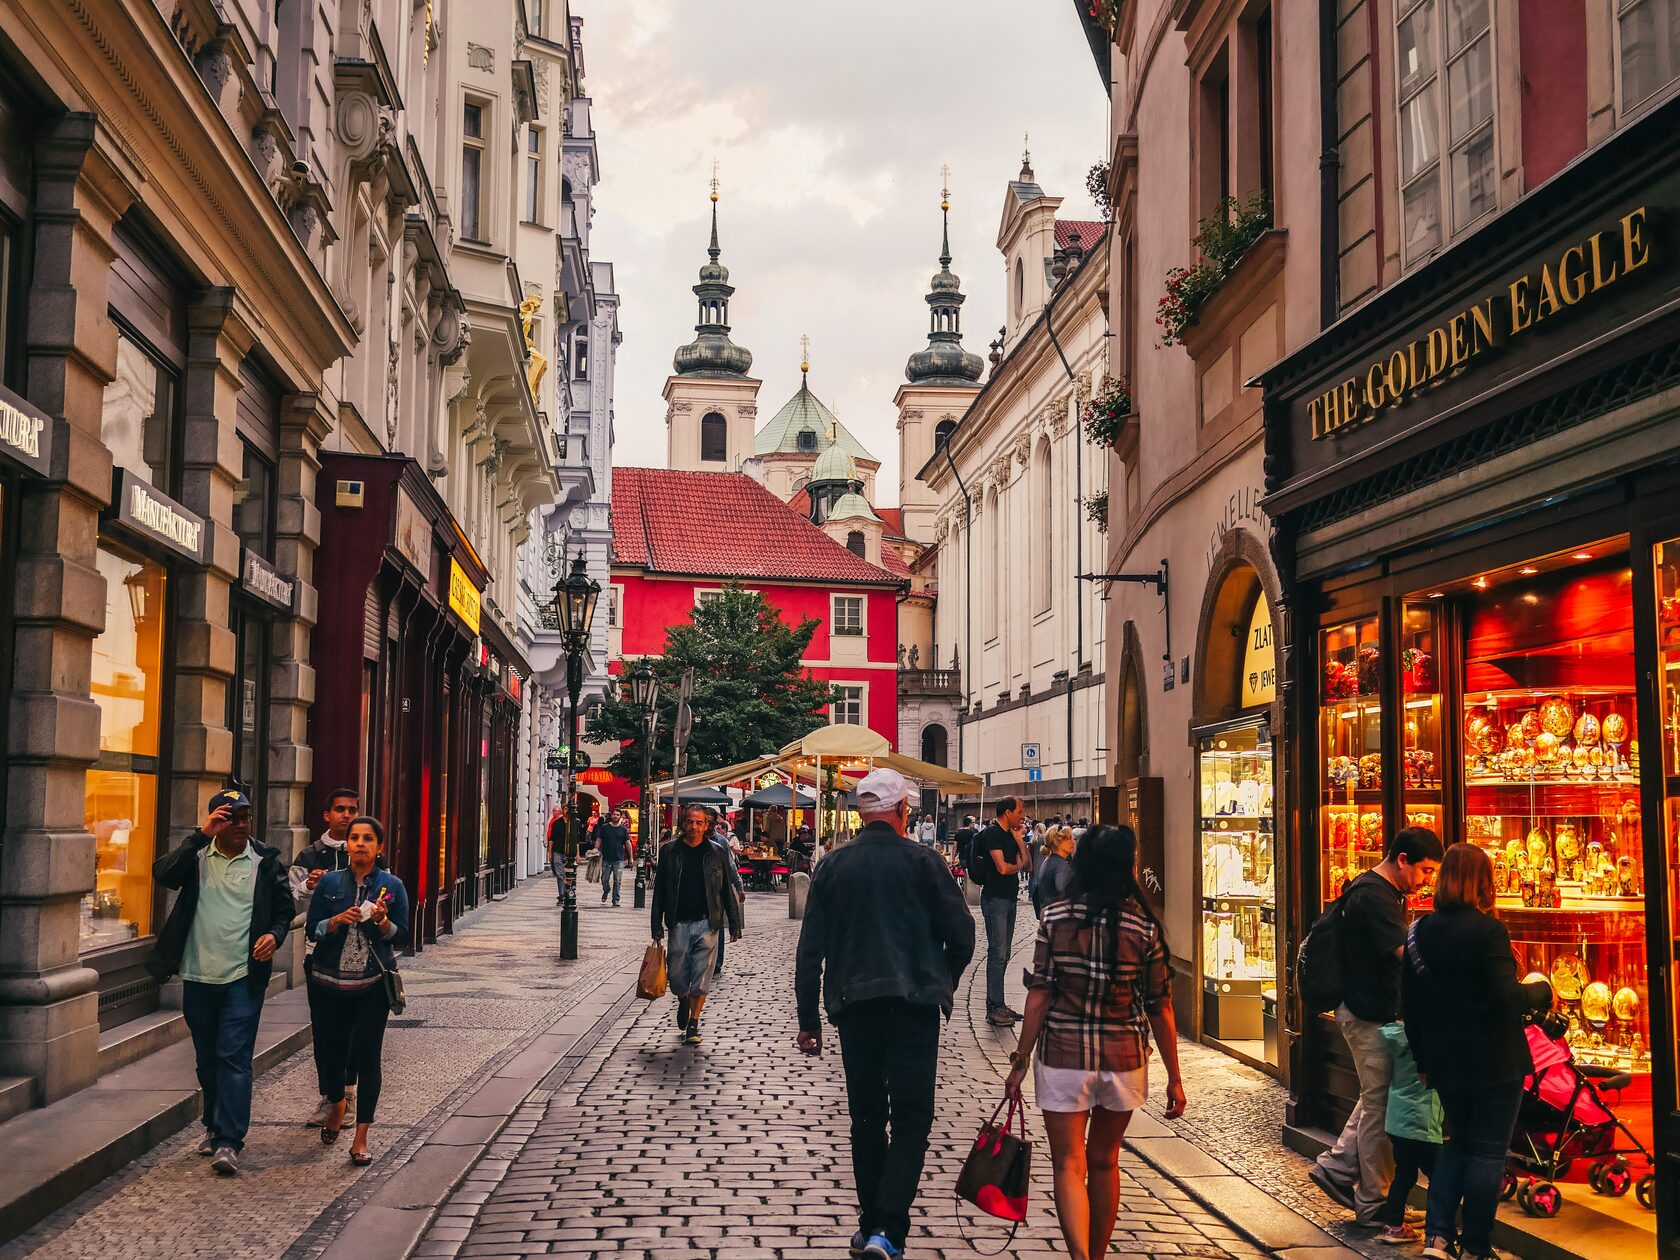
{"x": 464, "y": 600}
{"x": 1259, "y": 667}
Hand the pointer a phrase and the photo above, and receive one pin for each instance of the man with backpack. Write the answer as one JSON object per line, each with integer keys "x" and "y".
{"x": 999, "y": 858}
{"x": 1350, "y": 962}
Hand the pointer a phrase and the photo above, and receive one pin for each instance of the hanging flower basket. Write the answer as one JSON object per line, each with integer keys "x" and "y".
{"x": 1106, "y": 13}
{"x": 1107, "y": 411}
{"x": 1096, "y": 509}
{"x": 1221, "y": 241}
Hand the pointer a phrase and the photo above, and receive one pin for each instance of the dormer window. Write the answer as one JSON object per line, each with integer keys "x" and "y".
{"x": 807, "y": 440}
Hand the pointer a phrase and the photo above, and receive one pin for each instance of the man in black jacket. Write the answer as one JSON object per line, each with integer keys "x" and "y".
{"x": 1356, "y": 1171}
{"x": 693, "y": 900}
{"x": 233, "y": 911}
{"x": 890, "y": 927}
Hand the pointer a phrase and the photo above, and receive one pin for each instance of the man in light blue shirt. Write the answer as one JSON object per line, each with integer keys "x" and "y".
{"x": 233, "y": 911}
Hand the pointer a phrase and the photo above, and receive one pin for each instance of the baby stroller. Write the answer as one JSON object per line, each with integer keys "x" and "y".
{"x": 1564, "y": 1117}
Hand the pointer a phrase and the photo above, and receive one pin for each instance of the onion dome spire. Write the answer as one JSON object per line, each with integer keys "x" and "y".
{"x": 944, "y": 361}
{"x": 712, "y": 353}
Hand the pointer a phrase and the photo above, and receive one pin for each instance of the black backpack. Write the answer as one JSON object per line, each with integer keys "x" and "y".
{"x": 977, "y": 859}
{"x": 1318, "y": 966}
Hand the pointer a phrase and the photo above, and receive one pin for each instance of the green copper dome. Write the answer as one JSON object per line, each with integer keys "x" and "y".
{"x": 712, "y": 353}
{"x": 851, "y": 504}
{"x": 944, "y": 361}
{"x": 834, "y": 464}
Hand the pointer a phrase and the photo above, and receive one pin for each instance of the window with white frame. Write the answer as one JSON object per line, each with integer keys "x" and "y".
{"x": 472, "y": 170}
{"x": 614, "y": 595}
{"x": 580, "y": 355}
{"x": 534, "y": 11}
{"x": 533, "y": 174}
{"x": 848, "y": 615}
{"x": 1449, "y": 177}
{"x": 707, "y": 596}
{"x": 1647, "y": 50}
{"x": 847, "y": 709}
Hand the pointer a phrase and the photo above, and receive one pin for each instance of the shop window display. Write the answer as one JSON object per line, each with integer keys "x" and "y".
{"x": 1350, "y": 740}
{"x": 1668, "y": 701}
{"x": 1239, "y": 901}
{"x": 122, "y": 786}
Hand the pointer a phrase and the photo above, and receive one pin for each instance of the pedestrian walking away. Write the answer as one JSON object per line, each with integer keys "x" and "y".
{"x": 1056, "y": 869}
{"x": 612, "y": 842}
{"x": 328, "y": 853}
{"x": 1465, "y": 1010}
{"x": 1098, "y": 989}
{"x": 1356, "y": 1171}
{"x": 557, "y": 853}
{"x": 233, "y": 912}
{"x": 998, "y": 861}
{"x": 693, "y": 902}
{"x": 357, "y": 918}
{"x": 1413, "y": 1122}
{"x": 885, "y": 939}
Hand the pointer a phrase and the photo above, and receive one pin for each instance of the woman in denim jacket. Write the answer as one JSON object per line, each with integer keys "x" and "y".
{"x": 357, "y": 916}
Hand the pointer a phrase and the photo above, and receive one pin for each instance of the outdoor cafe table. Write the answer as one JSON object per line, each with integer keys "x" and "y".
{"x": 763, "y": 861}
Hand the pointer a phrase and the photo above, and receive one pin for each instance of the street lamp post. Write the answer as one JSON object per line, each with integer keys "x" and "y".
{"x": 574, "y": 607}
{"x": 644, "y": 694}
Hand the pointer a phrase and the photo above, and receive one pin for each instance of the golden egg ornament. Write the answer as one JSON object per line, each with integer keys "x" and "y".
{"x": 1586, "y": 730}
{"x": 1595, "y": 1003}
{"x": 1625, "y": 1003}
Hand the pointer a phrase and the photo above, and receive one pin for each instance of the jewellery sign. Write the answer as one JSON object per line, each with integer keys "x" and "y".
{"x": 464, "y": 599}
{"x": 156, "y": 517}
{"x": 26, "y": 433}
{"x": 258, "y": 577}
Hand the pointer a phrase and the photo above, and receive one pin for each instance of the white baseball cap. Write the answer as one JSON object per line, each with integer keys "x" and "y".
{"x": 880, "y": 791}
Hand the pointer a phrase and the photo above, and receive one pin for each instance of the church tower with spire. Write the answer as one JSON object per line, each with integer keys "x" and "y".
{"x": 711, "y": 403}
{"x": 942, "y": 379}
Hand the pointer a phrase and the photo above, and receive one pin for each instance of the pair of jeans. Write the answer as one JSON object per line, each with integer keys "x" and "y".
{"x": 557, "y": 864}
{"x": 1361, "y": 1157}
{"x": 351, "y": 1033}
{"x": 223, "y": 1021}
{"x": 890, "y": 1051}
{"x": 610, "y": 872}
{"x": 691, "y": 958}
{"x": 317, "y": 1043}
{"x": 1410, "y": 1158}
{"x": 999, "y": 914}
{"x": 1471, "y": 1165}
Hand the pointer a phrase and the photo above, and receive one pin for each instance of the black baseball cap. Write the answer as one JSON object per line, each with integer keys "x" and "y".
{"x": 233, "y": 798}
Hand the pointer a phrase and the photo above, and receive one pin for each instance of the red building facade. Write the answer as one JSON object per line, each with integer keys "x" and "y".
{"x": 678, "y": 537}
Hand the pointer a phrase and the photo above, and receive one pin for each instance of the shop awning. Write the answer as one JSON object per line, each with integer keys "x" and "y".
{"x": 778, "y": 796}
{"x": 856, "y": 749}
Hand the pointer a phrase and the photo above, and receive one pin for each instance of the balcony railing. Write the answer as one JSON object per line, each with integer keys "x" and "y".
{"x": 929, "y": 682}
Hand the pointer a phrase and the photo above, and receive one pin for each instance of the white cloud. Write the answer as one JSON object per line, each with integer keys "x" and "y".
{"x": 830, "y": 122}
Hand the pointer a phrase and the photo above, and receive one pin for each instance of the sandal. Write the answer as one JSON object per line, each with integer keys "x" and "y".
{"x": 361, "y": 1158}
{"x": 329, "y": 1134}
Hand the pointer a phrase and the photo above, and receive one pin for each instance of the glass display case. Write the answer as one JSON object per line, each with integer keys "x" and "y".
{"x": 1350, "y": 814}
{"x": 1239, "y": 901}
{"x": 1668, "y": 709}
{"x": 1550, "y": 761}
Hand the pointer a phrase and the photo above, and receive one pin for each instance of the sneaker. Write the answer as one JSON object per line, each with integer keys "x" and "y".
{"x": 1339, "y": 1191}
{"x": 1438, "y": 1248}
{"x": 1015, "y": 1016}
{"x": 692, "y": 1036}
{"x": 682, "y": 1012}
{"x": 1000, "y": 1018}
{"x": 1397, "y": 1236}
{"x": 207, "y": 1147}
{"x": 226, "y": 1162}
{"x": 317, "y": 1118}
{"x": 880, "y": 1246}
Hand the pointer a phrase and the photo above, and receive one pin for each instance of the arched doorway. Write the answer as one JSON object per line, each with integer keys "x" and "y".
{"x": 1234, "y": 697}
{"x": 934, "y": 743}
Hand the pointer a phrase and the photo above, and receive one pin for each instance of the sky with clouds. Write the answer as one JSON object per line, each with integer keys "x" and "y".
{"x": 829, "y": 120}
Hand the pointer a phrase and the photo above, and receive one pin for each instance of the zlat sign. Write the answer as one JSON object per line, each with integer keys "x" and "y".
{"x": 1259, "y": 664}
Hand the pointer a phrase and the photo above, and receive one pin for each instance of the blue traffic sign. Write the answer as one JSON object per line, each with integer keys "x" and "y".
{"x": 1035, "y": 775}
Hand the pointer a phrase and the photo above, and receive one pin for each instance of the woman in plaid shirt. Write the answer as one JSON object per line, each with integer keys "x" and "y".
{"x": 1098, "y": 989}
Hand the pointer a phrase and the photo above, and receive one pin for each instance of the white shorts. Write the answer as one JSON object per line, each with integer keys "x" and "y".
{"x": 1075, "y": 1089}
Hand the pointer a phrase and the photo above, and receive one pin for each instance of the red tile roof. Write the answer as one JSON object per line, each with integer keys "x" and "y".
{"x": 801, "y": 502}
{"x": 1088, "y": 234}
{"x": 723, "y": 525}
{"x": 893, "y": 519}
{"x": 893, "y": 563}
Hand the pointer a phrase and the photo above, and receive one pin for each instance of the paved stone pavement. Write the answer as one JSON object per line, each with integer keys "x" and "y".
{"x": 738, "y": 1149}
{"x": 475, "y": 1000}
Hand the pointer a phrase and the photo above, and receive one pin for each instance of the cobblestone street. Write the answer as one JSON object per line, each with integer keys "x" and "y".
{"x": 738, "y": 1148}
{"x": 475, "y": 1000}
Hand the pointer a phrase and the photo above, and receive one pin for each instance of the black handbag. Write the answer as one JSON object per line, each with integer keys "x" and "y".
{"x": 392, "y": 982}
{"x": 997, "y": 1171}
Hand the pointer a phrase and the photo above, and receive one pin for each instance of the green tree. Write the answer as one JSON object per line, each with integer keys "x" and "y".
{"x": 751, "y": 696}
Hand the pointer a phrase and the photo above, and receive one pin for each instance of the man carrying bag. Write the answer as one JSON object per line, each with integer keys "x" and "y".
{"x": 890, "y": 928}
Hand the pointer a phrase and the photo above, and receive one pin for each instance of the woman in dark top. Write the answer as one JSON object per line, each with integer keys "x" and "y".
{"x": 356, "y": 917}
{"x": 1055, "y": 871}
{"x": 1464, "y": 1018}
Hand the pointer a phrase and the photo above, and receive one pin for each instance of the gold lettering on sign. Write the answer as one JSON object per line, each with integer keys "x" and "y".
{"x": 1426, "y": 361}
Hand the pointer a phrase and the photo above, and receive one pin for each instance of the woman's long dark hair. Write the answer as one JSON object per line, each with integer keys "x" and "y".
{"x": 1105, "y": 874}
